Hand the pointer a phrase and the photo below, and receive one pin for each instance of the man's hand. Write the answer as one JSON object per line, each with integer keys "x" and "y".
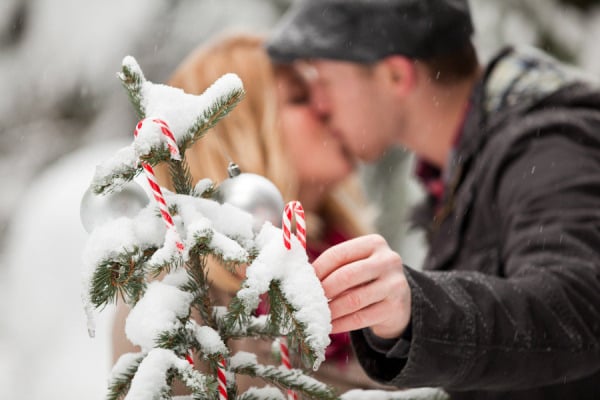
{"x": 365, "y": 283}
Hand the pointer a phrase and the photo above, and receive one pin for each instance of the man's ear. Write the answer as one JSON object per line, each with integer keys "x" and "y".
{"x": 400, "y": 73}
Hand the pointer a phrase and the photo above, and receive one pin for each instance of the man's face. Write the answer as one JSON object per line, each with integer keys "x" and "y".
{"x": 356, "y": 104}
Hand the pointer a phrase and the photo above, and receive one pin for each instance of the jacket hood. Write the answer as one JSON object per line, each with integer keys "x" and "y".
{"x": 527, "y": 76}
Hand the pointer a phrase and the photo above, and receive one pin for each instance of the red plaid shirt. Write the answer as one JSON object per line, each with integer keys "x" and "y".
{"x": 430, "y": 175}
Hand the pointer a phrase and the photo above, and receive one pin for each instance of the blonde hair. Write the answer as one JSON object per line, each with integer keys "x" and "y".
{"x": 249, "y": 134}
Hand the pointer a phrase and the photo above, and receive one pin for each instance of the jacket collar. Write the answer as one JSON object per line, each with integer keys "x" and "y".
{"x": 514, "y": 82}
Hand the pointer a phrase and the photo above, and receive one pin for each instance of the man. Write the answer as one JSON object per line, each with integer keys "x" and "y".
{"x": 508, "y": 304}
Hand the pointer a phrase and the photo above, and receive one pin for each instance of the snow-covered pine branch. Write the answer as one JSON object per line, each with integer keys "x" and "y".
{"x": 188, "y": 116}
{"x": 247, "y": 364}
{"x": 156, "y": 257}
{"x": 303, "y": 313}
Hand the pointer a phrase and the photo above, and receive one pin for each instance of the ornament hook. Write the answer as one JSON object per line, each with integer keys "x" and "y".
{"x": 233, "y": 169}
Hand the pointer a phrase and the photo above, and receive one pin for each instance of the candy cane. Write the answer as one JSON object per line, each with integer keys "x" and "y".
{"x": 285, "y": 361}
{"x": 190, "y": 358}
{"x": 151, "y": 176}
{"x": 293, "y": 209}
{"x": 222, "y": 379}
{"x": 171, "y": 142}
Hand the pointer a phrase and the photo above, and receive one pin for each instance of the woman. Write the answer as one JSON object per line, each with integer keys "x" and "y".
{"x": 275, "y": 133}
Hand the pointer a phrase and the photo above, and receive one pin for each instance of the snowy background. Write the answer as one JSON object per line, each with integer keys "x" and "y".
{"x": 63, "y": 111}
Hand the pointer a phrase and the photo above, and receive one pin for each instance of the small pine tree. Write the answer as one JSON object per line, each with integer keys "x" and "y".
{"x": 155, "y": 261}
{"x": 127, "y": 256}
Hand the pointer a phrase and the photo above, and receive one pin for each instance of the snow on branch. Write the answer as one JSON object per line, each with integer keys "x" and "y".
{"x": 299, "y": 286}
{"x": 188, "y": 117}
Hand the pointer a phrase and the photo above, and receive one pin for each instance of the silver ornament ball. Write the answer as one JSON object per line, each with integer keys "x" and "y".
{"x": 252, "y": 193}
{"x": 97, "y": 209}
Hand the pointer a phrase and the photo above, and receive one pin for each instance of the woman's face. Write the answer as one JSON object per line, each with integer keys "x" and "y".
{"x": 317, "y": 156}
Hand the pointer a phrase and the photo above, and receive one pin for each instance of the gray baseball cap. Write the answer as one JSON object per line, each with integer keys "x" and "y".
{"x": 368, "y": 30}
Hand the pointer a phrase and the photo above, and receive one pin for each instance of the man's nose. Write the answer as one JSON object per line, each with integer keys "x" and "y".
{"x": 320, "y": 102}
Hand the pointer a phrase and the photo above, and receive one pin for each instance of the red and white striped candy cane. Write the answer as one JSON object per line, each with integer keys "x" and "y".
{"x": 291, "y": 210}
{"x": 222, "y": 379}
{"x": 171, "y": 142}
{"x": 285, "y": 361}
{"x": 149, "y": 171}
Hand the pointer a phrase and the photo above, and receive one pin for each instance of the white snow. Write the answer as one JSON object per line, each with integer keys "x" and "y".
{"x": 210, "y": 340}
{"x": 159, "y": 310}
{"x": 182, "y": 110}
{"x": 203, "y": 214}
{"x": 202, "y": 186}
{"x": 177, "y": 277}
{"x": 227, "y": 248}
{"x": 409, "y": 394}
{"x": 151, "y": 376}
{"x": 123, "y": 161}
{"x": 244, "y": 359}
{"x": 266, "y": 393}
{"x": 109, "y": 240}
{"x": 124, "y": 363}
{"x": 299, "y": 284}
{"x": 169, "y": 252}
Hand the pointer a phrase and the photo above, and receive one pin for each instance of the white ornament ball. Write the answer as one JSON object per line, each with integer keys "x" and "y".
{"x": 252, "y": 193}
{"x": 97, "y": 209}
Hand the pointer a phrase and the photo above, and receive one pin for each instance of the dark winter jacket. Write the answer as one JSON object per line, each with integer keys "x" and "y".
{"x": 508, "y": 306}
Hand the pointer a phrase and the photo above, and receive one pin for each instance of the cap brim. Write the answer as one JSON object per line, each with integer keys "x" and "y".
{"x": 309, "y": 30}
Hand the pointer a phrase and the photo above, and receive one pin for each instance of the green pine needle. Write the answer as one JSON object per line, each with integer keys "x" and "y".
{"x": 181, "y": 176}
{"x": 198, "y": 285}
{"x": 121, "y": 276}
{"x": 281, "y": 317}
{"x": 132, "y": 81}
{"x": 211, "y": 117}
{"x": 119, "y": 385}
